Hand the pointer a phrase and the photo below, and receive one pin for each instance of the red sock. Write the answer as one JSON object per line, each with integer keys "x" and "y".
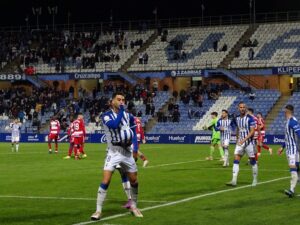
{"x": 143, "y": 158}
{"x": 81, "y": 149}
{"x": 258, "y": 148}
{"x": 256, "y": 157}
{"x": 70, "y": 149}
{"x": 56, "y": 146}
{"x": 266, "y": 147}
{"x": 49, "y": 145}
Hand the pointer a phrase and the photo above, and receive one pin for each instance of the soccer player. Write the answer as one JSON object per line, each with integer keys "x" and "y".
{"x": 78, "y": 136}
{"x": 225, "y": 126}
{"x": 54, "y": 133}
{"x": 292, "y": 132}
{"x": 15, "y": 127}
{"x": 215, "y": 139}
{"x": 261, "y": 136}
{"x": 117, "y": 125}
{"x": 245, "y": 131}
{"x": 71, "y": 139}
{"x": 140, "y": 137}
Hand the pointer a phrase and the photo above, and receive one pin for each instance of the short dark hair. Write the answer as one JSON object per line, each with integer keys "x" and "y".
{"x": 241, "y": 103}
{"x": 224, "y": 110}
{"x": 290, "y": 108}
{"x": 259, "y": 113}
{"x": 251, "y": 110}
{"x": 214, "y": 113}
{"x": 79, "y": 114}
{"x": 117, "y": 93}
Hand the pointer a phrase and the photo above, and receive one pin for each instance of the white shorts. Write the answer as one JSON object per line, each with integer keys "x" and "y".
{"x": 113, "y": 159}
{"x": 225, "y": 143}
{"x": 15, "y": 139}
{"x": 241, "y": 150}
{"x": 292, "y": 158}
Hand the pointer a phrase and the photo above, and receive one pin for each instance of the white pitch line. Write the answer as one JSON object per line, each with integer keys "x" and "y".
{"x": 177, "y": 163}
{"x": 182, "y": 201}
{"x": 70, "y": 198}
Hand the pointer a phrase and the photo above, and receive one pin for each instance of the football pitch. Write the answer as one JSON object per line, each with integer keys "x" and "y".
{"x": 177, "y": 188}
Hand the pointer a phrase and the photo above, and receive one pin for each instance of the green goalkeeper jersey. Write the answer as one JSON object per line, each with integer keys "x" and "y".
{"x": 213, "y": 124}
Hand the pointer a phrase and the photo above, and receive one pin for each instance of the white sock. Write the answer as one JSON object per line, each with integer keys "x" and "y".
{"x": 235, "y": 172}
{"x": 134, "y": 194}
{"x": 17, "y": 147}
{"x": 255, "y": 171}
{"x": 100, "y": 198}
{"x": 126, "y": 187}
{"x": 226, "y": 155}
{"x": 294, "y": 179}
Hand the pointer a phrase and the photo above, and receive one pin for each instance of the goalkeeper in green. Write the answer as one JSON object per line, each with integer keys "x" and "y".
{"x": 215, "y": 138}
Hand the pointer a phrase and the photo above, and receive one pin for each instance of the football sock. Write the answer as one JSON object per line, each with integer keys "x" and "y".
{"x": 258, "y": 148}
{"x": 70, "y": 149}
{"x": 212, "y": 149}
{"x": 126, "y": 186}
{"x": 102, "y": 191}
{"x": 226, "y": 155}
{"x": 134, "y": 193}
{"x": 294, "y": 179}
{"x": 49, "y": 146}
{"x": 221, "y": 151}
{"x": 266, "y": 147}
{"x": 254, "y": 168}
{"x": 235, "y": 170}
{"x": 56, "y": 146}
{"x": 17, "y": 147}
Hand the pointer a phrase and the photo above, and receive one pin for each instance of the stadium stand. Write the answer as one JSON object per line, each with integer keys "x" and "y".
{"x": 273, "y": 45}
{"x": 190, "y": 48}
{"x": 82, "y": 52}
{"x": 262, "y": 102}
{"x": 279, "y": 123}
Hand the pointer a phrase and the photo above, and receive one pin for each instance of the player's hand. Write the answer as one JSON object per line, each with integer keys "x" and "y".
{"x": 121, "y": 107}
{"x": 240, "y": 143}
{"x": 144, "y": 141}
{"x": 280, "y": 150}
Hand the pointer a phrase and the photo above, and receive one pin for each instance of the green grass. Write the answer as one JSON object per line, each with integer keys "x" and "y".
{"x": 33, "y": 172}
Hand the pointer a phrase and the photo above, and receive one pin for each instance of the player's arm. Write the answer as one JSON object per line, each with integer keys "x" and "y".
{"x": 218, "y": 126}
{"x": 113, "y": 123}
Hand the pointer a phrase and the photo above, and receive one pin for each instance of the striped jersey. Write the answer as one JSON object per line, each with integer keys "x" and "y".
{"x": 54, "y": 127}
{"x": 15, "y": 129}
{"x": 119, "y": 128}
{"x": 227, "y": 126}
{"x": 292, "y": 134}
{"x": 244, "y": 125}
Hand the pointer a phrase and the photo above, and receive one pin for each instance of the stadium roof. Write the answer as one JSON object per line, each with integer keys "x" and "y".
{"x": 14, "y": 12}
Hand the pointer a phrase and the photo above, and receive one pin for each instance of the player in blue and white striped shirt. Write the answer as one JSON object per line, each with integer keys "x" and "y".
{"x": 225, "y": 126}
{"x": 119, "y": 127}
{"x": 292, "y": 135}
{"x": 245, "y": 131}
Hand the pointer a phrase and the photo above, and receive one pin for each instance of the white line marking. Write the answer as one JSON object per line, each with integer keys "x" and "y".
{"x": 70, "y": 198}
{"x": 177, "y": 163}
{"x": 182, "y": 201}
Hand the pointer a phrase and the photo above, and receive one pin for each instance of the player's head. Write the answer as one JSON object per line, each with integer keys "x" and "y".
{"x": 117, "y": 99}
{"x": 80, "y": 116}
{"x": 289, "y": 110}
{"x": 242, "y": 108}
{"x": 224, "y": 113}
{"x": 214, "y": 115}
{"x": 259, "y": 115}
{"x": 250, "y": 111}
